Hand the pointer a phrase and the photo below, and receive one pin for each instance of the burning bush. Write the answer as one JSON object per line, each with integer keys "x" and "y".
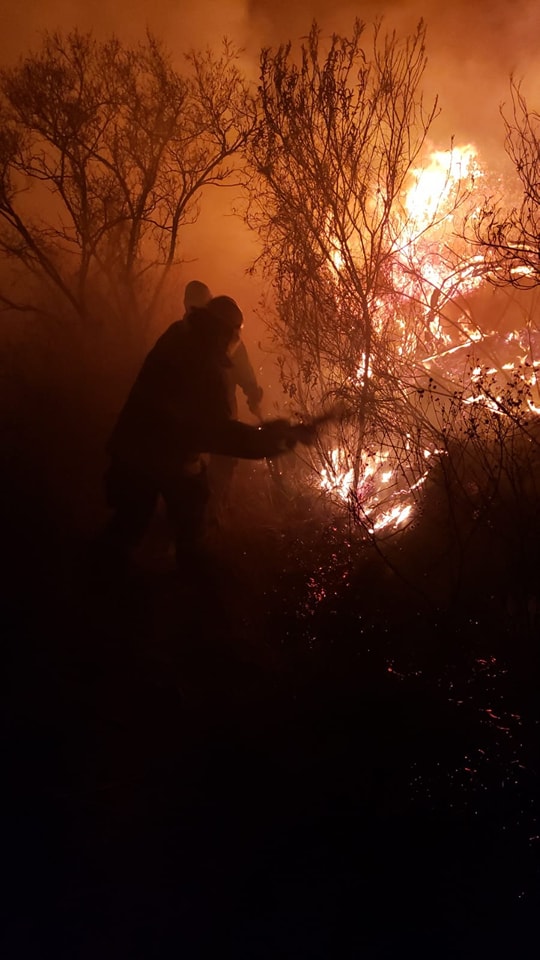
{"x": 375, "y": 288}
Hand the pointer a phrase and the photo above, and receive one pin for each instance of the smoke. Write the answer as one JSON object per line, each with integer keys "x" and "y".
{"x": 472, "y": 49}
{"x": 181, "y": 23}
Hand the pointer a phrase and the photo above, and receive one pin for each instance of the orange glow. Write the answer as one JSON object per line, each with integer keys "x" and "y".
{"x": 429, "y": 198}
{"x": 432, "y": 269}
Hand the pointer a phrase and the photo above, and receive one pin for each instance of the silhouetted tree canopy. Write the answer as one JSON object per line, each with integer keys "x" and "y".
{"x": 509, "y": 236}
{"x": 342, "y": 125}
{"x": 104, "y": 151}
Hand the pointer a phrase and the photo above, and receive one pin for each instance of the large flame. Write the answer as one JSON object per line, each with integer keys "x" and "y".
{"x": 428, "y": 277}
{"x": 435, "y": 186}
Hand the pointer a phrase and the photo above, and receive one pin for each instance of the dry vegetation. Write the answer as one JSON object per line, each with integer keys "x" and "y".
{"x": 106, "y": 151}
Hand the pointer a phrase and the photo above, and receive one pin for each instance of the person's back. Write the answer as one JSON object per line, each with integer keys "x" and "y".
{"x": 179, "y": 390}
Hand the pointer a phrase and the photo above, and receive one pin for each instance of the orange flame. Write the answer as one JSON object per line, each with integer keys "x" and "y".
{"x": 430, "y": 206}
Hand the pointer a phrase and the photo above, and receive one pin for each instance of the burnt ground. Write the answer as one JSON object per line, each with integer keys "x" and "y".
{"x": 281, "y": 754}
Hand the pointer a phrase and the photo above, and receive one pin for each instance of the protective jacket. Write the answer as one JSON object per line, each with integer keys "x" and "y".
{"x": 180, "y": 407}
{"x": 242, "y": 374}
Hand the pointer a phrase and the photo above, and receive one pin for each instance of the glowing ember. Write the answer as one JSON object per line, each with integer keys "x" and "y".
{"x": 395, "y": 517}
{"x": 337, "y": 478}
{"x": 374, "y": 490}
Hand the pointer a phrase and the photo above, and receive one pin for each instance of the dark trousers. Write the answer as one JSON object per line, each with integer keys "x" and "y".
{"x": 133, "y": 494}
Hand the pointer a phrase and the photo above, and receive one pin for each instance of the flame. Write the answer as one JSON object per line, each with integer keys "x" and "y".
{"x": 395, "y": 517}
{"x": 426, "y": 277}
{"x": 435, "y": 184}
{"x": 431, "y": 206}
{"x": 338, "y": 477}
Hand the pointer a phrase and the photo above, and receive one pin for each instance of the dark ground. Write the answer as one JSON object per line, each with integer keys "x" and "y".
{"x": 264, "y": 760}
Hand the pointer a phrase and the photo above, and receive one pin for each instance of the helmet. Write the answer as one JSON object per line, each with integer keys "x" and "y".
{"x": 227, "y": 310}
{"x": 217, "y": 324}
{"x": 196, "y": 294}
{"x": 220, "y": 322}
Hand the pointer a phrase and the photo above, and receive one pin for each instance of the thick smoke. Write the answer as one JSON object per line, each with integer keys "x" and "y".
{"x": 181, "y": 23}
{"x": 472, "y": 47}
{"x": 472, "y": 50}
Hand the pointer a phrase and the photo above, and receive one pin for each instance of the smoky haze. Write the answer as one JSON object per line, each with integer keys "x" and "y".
{"x": 472, "y": 46}
{"x": 472, "y": 49}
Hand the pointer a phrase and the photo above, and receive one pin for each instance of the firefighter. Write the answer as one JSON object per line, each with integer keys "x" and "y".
{"x": 178, "y": 409}
{"x": 240, "y": 374}
{"x": 221, "y": 469}
{"x": 196, "y": 294}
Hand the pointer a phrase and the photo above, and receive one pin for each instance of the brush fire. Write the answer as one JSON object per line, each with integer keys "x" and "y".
{"x": 450, "y": 352}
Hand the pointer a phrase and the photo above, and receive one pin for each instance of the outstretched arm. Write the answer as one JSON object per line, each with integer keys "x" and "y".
{"x": 235, "y": 439}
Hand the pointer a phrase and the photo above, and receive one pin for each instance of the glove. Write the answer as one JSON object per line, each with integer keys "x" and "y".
{"x": 304, "y": 433}
{"x": 279, "y": 435}
{"x": 286, "y": 436}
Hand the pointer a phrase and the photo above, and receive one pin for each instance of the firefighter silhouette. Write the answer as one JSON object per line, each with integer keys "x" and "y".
{"x": 178, "y": 409}
{"x": 240, "y": 374}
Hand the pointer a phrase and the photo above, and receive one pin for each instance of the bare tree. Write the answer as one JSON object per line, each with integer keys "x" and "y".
{"x": 104, "y": 152}
{"x": 343, "y": 128}
{"x": 509, "y": 234}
